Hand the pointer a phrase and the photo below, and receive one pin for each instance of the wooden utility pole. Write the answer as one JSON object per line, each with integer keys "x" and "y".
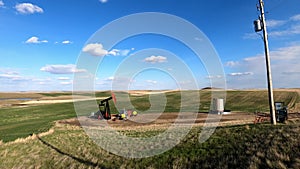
{"x": 267, "y": 53}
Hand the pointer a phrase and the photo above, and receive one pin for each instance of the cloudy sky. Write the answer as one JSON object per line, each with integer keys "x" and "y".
{"x": 41, "y": 41}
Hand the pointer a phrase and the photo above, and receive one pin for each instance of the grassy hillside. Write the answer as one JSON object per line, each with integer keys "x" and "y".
{"x": 251, "y": 101}
{"x": 246, "y": 146}
{"x": 238, "y": 101}
{"x": 20, "y": 122}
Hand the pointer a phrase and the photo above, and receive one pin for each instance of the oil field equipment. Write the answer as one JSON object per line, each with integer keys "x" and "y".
{"x": 105, "y": 113}
{"x": 217, "y": 106}
{"x": 281, "y": 112}
{"x": 125, "y": 114}
{"x": 104, "y": 109}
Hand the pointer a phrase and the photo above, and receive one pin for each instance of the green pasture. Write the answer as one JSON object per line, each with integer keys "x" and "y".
{"x": 21, "y": 122}
{"x": 245, "y": 146}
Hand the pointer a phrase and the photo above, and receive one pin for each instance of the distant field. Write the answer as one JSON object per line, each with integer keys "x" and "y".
{"x": 251, "y": 101}
{"x": 18, "y": 122}
{"x": 242, "y": 146}
{"x": 237, "y": 101}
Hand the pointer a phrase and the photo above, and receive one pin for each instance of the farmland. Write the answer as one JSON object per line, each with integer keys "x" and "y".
{"x": 44, "y": 135}
{"x": 245, "y": 146}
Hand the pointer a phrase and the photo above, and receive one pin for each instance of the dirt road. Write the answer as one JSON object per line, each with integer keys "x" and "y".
{"x": 162, "y": 120}
{"x": 165, "y": 120}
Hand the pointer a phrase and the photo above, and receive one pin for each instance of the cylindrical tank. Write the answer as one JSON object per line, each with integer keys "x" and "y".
{"x": 257, "y": 25}
{"x": 218, "y": 105}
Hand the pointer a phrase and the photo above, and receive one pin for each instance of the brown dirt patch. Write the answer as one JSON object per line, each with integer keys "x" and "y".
{"x": 13, "y": 100}
{"x": 164, "y": 120}
{"x": 167, "y": 119}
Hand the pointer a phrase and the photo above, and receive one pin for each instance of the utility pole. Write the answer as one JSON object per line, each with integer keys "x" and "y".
{"x": 258, "y": 28}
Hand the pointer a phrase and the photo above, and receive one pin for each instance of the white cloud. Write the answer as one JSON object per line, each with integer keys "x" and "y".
{"x": 28, "y": 8}
{"x": 272, "y": 23}
{"x": 35, "y": 39}
{"x": 9, "y": 72}
{"x": 66, "y": 83}
{"x": 114, "y": 52}
{"x": 232, "y": 63}
{"x": 66, "y": 42}
{"x": 63, "y": 78}
{"x": 254, "y": 58}
{"x": 1, "y": 3}
{"x": 214, "y": 77}
{"x": 285, "y": 69}
{"x": 292, "y": 30}
{"x": 95, "y": 49}
{"x": 111, "y": 78}
{"x": 41, "y": 79}
{"x": 291, "y": 27}
{"x": 295, "y": 18}
{"x": 155, "y": 59}
{"x": 10, "y": 76}
{"x": 240, "y": 73}
{"x": 151, "y": 81}
{"x": 62, "y": 69}
{"x": 275, "y": 23}
{"x": 292, "y": 23}
{"x": 286, "y": 53}
{"x": 118, "y": 52}
{"x": 12, "y": 80}
{"x": 42, "y": 83}
{"x": 103, "y": 1}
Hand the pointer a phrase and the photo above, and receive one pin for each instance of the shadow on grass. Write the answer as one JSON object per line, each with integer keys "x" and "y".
{"x": 89, "y": 163}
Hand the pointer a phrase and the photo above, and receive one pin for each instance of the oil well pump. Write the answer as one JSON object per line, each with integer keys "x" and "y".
{"x": 104, "y": 110}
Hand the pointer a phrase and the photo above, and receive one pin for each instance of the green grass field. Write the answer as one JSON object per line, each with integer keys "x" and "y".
{"x": 246, "y": 146}
{"x": 20, "y": 122}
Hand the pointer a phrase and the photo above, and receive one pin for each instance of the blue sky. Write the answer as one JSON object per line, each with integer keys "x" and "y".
{"x": 41, "y": 41}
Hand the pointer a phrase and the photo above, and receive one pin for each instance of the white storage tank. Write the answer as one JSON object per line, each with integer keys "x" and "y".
{"x": 218, "y": 106}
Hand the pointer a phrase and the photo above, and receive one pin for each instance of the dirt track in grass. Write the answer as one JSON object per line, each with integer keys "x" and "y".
{"x": 165, "y": 120}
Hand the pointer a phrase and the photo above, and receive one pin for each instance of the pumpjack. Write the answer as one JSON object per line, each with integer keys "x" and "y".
{"x": 104, "y": 110}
